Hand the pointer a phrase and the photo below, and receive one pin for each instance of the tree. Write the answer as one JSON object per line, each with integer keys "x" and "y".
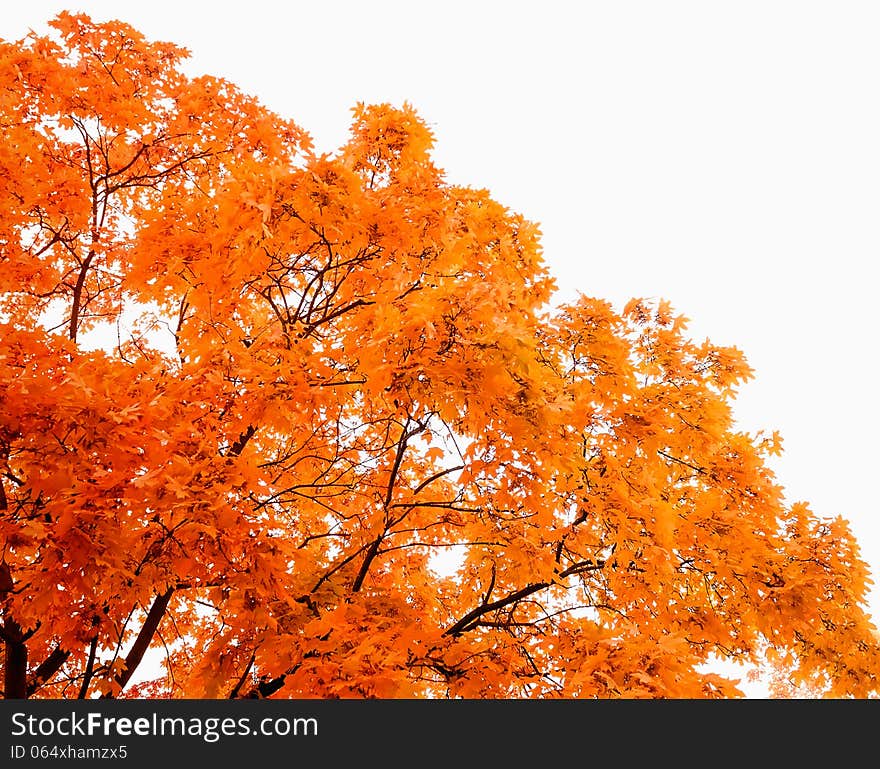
{"x": 343, "y": 443}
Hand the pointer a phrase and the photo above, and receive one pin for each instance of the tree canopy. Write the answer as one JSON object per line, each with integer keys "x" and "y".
{"x": 341, "y": 441}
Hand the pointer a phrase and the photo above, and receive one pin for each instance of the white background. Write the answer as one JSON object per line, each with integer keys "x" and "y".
{"x": 724, "y": 156}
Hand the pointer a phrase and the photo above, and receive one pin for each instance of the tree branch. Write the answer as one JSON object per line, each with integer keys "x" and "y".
{"x": 90, "y": 669}
{"x": 365, "y": 564}
{"x": 435, "y": 476}
{"x": 700, "y": 470}
{"x": 267, "y": 688}
{"x": 142, "y": 642}
{"x": 470, "y": 620}
{"x": 77, "y": 296}
{"x": 237, "y": 688}
{"x": 389, "y": 493}
{"x": 46, "y": 669}
{"x": 16, "y": 653}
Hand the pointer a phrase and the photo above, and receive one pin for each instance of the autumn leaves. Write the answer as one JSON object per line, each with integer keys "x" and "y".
{"x": 343, "y": 367}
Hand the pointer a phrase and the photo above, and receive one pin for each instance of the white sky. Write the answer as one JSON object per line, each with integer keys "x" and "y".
{"x": 724, "y": 156}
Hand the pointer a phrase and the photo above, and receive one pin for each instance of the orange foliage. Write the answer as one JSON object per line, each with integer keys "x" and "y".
{"x": 342, "y": 444}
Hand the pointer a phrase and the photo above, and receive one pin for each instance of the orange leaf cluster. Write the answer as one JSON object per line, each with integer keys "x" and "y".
{"x": 339, "y": 442}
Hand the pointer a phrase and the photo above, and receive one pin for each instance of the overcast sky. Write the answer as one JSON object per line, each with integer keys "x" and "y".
{"x": 724, "y": 156}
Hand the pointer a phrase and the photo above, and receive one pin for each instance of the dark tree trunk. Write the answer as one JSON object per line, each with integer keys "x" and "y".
{"x": 15, "y": 664}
